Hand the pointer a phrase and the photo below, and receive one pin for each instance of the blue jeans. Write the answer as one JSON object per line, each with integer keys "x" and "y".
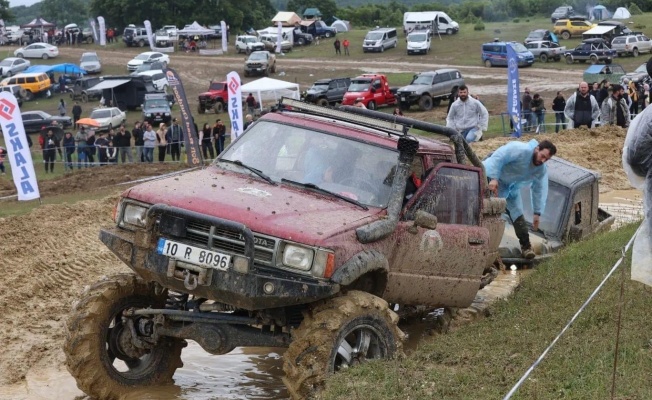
{"x": 527, "y": 116}
{"x": 82, "y": 158}
{"x": 540, "y": 119}
{"x": 560, "y": 119}
{"x": 149, "y": 154}
{"x": 469, "y": 134}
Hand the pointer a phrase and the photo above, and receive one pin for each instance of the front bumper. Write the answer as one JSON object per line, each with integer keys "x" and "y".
{"x": 408, "y": 97}
{"x": 242, "y": 290}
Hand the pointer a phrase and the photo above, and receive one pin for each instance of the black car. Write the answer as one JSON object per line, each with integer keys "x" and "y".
{"x": 218, "y": 32}
{"x": 541, "y": 34}
{"x": 156, "y": 109}
{"x": 592, "y": 50}
{"x": 35, "y": 120}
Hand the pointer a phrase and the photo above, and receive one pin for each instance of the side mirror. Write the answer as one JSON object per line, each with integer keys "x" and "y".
{"x": 423, "y": 219}
{"x": 372, "y": 90}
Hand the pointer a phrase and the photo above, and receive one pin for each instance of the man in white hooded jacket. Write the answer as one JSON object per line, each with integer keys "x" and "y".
{"x": 468, "y": 116}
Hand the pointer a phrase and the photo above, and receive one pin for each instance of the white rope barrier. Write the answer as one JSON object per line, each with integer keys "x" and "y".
{"x": 586, "y": 303}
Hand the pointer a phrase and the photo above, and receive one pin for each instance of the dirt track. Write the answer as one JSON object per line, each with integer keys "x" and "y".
{"x": 50, "y": 254}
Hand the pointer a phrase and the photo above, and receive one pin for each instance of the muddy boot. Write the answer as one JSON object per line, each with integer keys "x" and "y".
{"x": 521, "y": 230}
{"x": 527, "y": 252}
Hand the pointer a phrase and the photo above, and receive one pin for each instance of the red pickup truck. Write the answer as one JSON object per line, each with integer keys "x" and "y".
{"x": 373, "y": 89}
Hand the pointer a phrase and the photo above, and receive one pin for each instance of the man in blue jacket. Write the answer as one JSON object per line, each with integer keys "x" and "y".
{"x": 512, "y": 167}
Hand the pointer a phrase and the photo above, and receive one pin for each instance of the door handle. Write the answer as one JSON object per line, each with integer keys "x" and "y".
{"x": 476, "y": 241}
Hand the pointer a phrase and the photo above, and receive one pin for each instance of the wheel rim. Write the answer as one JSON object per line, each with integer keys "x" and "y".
{"x": 361, "y": 343}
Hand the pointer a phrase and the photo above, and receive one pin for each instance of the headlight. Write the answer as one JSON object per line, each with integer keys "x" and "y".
{"x": 134, "y": 214}
{"x": 148, "y": 115}
{"x": 167, "y": 114}
{"x": 298, "y": 257}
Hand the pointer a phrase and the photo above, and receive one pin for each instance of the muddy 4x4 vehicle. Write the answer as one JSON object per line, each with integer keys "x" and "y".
{"x": 81, "y": 86}
{"x": 260, "y": 63}
{"x": 328, "y": 91}
{"x": 298, "y": 235}
{"x": 214, "y": 99}
{"x": 156, "y": 109}
{"x": 428, "y": 89}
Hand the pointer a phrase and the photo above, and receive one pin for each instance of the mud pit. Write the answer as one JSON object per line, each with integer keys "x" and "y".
{"x": 52, "y": 253}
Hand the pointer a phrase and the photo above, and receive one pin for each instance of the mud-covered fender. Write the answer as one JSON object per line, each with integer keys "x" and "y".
{"x": 358, "y": 265}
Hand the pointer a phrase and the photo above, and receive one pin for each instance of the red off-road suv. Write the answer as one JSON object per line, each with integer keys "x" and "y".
{"x": 214, "y": 99}
{"x": 298, "y": 235}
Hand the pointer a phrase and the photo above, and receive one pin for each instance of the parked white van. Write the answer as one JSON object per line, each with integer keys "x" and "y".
{"x": 418, "y": 42}
{"x": 380, "y": 39}
{"x": 437, "y": 21}
{"x": 159, "y": 80}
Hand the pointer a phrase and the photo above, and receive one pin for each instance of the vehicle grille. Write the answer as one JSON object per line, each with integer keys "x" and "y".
{"x": 230, "y": 242}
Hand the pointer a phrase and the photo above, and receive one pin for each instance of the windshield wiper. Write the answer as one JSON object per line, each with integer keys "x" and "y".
{"x": 252, "y": 169}
{"x": 322, "y": 190}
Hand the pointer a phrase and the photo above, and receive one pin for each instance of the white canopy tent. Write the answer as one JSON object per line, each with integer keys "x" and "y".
{"x": 270, "y": 89}
{"x": 195, "y": 29}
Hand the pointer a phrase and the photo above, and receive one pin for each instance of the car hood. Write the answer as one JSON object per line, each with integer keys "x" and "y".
{"x": 417, "y": 45}
{"x": 135, "y": 62}
{"x": 412, "y": 88}
{"x": 282, "y": 210}
{"x": 315, "y": 91}
{"x": 156, "y": 110}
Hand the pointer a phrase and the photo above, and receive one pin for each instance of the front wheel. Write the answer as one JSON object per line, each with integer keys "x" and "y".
{"x": 45, "y": 56}
{"x": 449, "y": 31}
{"x": 328, "y": 34}
{"x": 301, "y": 41}
{"x": 425, "y": 103}
{"x": 99, "y": 348}
{"x": 371, "y": 105}
{"x": 337, "y": 334}
{"x": 488, "y": 64}
{"x": 593, "y": 59}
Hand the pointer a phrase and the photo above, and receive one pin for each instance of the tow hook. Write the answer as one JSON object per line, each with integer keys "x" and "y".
{"x": 190, "y": 280}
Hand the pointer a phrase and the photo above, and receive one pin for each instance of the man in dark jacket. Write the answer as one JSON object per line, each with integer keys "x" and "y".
{"x": 76, "y": 113}
{"x": 526, "y": 104}
{"x": 558, "y": 106}
{"x": 219, "y": 135}
{"x": 122, "y": 141}
{"x": 137, "y": 133}
{"x": 582, "y": 109}
{"x": 50, "y": 147}
{"x": 102, "y": 143}
{"x": 174, "y": 136}
{"x": 69, "y": 148}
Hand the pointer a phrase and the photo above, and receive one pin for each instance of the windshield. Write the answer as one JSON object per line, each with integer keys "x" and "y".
{"x": 6, "y": 63}
{"x": 519, "y": 48}
{"x": 535, "y": 35}
{"x": 250, "y": 40}
{"x": 551, "y": 218}
{"x": 359, "y": 85}
{"x": 373, "y": 36}
{"x": 158, "y": 103}
{"x": 320, "y": 87}
{"x": 101, "y": 114}
{"x": 418, "y": 37}
{"x": 642, "y": 68}
{"x": 257, "y": 56}
{"x": 353, "y": 169}
{"x": 142, "y": 57}
{"x": 422, "y": 80}
{"x": 89, "y": 58}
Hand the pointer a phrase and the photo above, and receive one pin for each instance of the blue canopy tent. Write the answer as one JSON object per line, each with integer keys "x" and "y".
{"x": 70, "y": 69}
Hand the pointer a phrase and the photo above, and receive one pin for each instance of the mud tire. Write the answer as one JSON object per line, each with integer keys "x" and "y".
{"x": 425, "y": 103}
{"x": 322, "y": 102}
{"x": 86, "y": 346}
{"x": 218, "y": 107}
{"x": 313, "y": 353}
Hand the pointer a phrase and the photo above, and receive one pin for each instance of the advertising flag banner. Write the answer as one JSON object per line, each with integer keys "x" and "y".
{"x": 225, "y": 34}
{"x": 150, "y": 34}
{"x": 190, "y": 138}
{"x": 279, "y": 36}
{"x": 100, "y": 21}
{"x": 20, "y": 159}
{"x": 234, "y": 84}
{"x": 94, "y": 29}
{"x": 513, "y": 92}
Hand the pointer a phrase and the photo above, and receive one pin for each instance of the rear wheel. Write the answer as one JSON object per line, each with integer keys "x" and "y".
{"x": 593, "y": 59}
{"x": 45, "y": 56}
{"x": 100, "y": 352}
{"x": 543, "y": 57}
{"x": 635, "y": 52}
{"x": 141, "y": 43}
{"x": 20, "y": 55}
{"x": 565, "y": 35}
{"x": 337, "y": 334}
{"x": 328, "y": 34}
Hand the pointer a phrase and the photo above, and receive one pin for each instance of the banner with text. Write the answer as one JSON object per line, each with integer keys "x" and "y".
{"x": 513, "y": 92}
{"x": 150, "y": 34}
{"x": 279, "y": 37}
{"x": 234, "y": 84}
{"x": 100, "y": 21}
{"x": 187, "y": 121}
{"x": 20, "y": 159}
{"x": 225, "y": 35}
{"x": 93, "y": 24}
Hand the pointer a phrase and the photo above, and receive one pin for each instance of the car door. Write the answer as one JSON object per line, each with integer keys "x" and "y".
{"x": 441, "y": 264}
{"x": 29, "y": 123}
{"x": 644, "y": 43}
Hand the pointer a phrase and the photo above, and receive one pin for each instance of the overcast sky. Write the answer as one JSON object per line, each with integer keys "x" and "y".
{"x": 15, "y": 3}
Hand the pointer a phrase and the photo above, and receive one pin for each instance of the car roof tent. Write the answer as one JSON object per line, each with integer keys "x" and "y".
{"x": 109, "y": 84}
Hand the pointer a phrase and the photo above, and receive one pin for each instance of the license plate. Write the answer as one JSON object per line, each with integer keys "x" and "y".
{"x": 403, "y": 98}
{"x": 193, "y": 255}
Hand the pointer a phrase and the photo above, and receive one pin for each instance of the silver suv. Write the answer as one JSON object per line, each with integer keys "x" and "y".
{"x": 631, "y": 44}
{"x": 428, "y": 89}
{"x": 135, "y": 36}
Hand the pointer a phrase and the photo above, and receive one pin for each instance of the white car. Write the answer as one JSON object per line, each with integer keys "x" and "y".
{"x": 90, "y": 63}
{"x": 418, "y": 42}
{"x": 159, "y": 80}
{"x": 13, "y": 65}
{"x": 37, "y": 50}
{"x": 148, "y": 56}
{"x": 108, "y": 117}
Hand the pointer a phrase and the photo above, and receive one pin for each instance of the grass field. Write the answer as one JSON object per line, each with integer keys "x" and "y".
{"x": 484, "y": 359}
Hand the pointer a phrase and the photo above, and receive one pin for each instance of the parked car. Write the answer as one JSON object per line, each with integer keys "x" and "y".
{"x": 34, "y": 83}
{"x": 571, "y": 27}
{"x": 270, "y": 43}
{"x": 613, "y": 73}
{"x": 545, "y": 50}
{"x": 639, "y": 75}
{"x": 428, "y": 89}
{"x": 108, "y": 117}
{"x": 631, "y": 44}
{"x": 218, "y": 31}
{"x": 37, "y": 50}
{"x": 214, "y": 99}
{"x": 495, "y": 54}
{"x": 301, "y": 38}
{"x": 248, "y": 43}
{"x": 148, "y": 66}
{"x": 134, "y": 36}
{"x": 156, "y": 109}
{"x": 541, "y": 34}
{"x": 418, "y": 42}
{"x": 90, "y": 63}
{"x": 13, "y": 65}
{"x": 163, "y": 38}
{"x": 82, "y": 89}
{"x": 593, "y": 50}
{"x": 17, "y": 91}
{"x": 148, "y": 56}
{"x": 564, "y": 12}
{"x": 35, "y": 120}
{"x": 328, "y": 91}
{"x": 260, "y": 62}
{"x": 159, "y": 79}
